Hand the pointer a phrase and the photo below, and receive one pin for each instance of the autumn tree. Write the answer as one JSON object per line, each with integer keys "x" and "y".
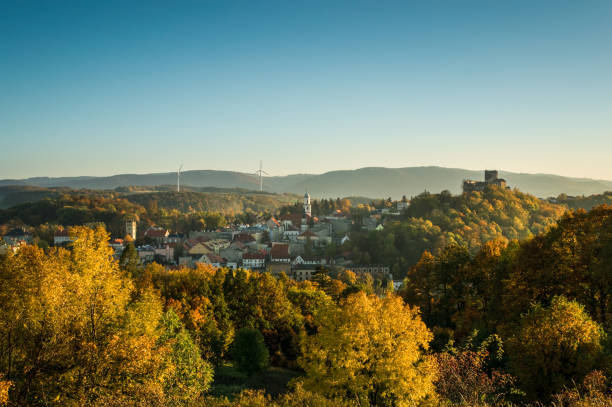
{"x": 370, "y": 350}
{"x": 554, "y": 347}
{"x": 573, "y": 259}
{"x": 75, "y": 332}
{"x": 467, "y": 374}
{"x": 4, "y": 391}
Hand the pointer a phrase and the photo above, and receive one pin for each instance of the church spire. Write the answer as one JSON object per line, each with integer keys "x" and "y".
{"x": 307, "y": 206}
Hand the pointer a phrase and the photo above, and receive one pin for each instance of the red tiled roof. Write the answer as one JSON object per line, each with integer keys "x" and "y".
{"x": 244, "y": 237}
{"x": 189, "y": 243}
{"x": 279, "y": 251}
{"x": 253, "y": 256}
{"x": 61, "y": 233}
{"x": 213, "y": 258}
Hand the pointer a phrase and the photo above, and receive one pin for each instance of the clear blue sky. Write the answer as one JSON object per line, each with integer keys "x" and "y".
{"x": 100, "y": 88}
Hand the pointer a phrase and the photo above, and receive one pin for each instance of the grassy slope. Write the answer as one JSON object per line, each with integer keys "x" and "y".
{"x": 229, "y": 381}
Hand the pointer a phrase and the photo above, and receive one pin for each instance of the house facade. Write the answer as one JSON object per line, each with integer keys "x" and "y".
{"x": 254, "y": 260}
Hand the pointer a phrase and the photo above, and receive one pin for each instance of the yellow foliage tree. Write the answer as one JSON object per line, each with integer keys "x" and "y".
{"x": 4, "y": 391}
{"x": 554, "y": 347}
{"x": 74, "y": 332}
{"x": 371, "y": 350}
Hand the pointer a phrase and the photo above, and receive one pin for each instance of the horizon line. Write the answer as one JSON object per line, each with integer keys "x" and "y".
{"x": 300, "y": 173}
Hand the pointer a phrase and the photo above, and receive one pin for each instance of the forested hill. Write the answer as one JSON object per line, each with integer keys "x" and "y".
{"x": 227, "y": 203}
{"x": 227, "y": 200}
{"x": 181, "y": 212}
{"x": 585, "y": 202}
{"x": 374, "y": 182}
{"x": 435, "y": 221}
{"x": 12, "y": 195}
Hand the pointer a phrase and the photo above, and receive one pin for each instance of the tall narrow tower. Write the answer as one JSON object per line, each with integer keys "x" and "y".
{"x": 130, "y": 228}
{"x": 307, "y": 206}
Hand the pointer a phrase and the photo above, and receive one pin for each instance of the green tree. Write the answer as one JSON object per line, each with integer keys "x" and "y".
{"x": 190, "y": 375}
{"x": 214, "y": 220}
{"x": 249, "y": 351}
{"x": 130, "y": 261}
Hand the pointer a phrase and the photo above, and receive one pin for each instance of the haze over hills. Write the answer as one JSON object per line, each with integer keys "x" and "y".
{"x": 374, "y": 182}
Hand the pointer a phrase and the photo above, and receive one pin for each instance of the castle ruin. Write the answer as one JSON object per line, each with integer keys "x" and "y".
{"x": 491, "y": 178}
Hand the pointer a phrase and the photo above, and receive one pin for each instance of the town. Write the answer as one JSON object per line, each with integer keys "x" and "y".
{"x": 293, "y": 243}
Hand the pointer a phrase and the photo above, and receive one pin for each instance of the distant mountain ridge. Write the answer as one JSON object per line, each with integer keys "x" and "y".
{"x": 375, "y": 182}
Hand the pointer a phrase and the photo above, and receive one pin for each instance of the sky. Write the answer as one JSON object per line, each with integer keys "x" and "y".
{"x": 104, "y": 87}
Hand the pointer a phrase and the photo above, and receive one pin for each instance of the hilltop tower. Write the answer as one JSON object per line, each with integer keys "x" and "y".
{"x": 491, "y": 176}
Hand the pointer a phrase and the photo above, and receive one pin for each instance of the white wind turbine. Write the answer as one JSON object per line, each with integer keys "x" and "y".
{"x": 178, "y": 179}
{"x": 260, "y": 173}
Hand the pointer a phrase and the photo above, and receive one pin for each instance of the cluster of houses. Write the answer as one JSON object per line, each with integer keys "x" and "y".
{"x": 15, "y": 238}
{"x": 279, "y": 245}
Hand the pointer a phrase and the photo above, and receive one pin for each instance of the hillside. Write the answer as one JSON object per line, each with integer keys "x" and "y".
{"x": 375, "y": 182}
{"x": 585, "y": 202}
{"x": 182, "y": 211}
{"x": 12, "y": 195}
{"x": 227, "y": 203}
{"x": 198, "y": 178}
{"x": 435, "y": 221}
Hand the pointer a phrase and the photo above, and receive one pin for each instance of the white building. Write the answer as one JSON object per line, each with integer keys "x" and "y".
{"x": 130, "y": 228}
{"x": 254, "y": 260}
{"x": 60, "y": 237}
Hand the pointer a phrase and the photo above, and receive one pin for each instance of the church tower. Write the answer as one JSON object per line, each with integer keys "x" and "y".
{"x": 307, "y": 206}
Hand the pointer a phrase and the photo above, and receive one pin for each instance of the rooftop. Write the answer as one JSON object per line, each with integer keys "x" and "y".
{"x": 279, "y": 251}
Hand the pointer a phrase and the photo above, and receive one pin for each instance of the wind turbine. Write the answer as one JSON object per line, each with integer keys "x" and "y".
{"x": 178, "y": 179}
{"x": 260, "y": 173}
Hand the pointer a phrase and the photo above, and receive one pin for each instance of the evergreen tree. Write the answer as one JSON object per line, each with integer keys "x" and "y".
{"x": 250, "y": 352}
